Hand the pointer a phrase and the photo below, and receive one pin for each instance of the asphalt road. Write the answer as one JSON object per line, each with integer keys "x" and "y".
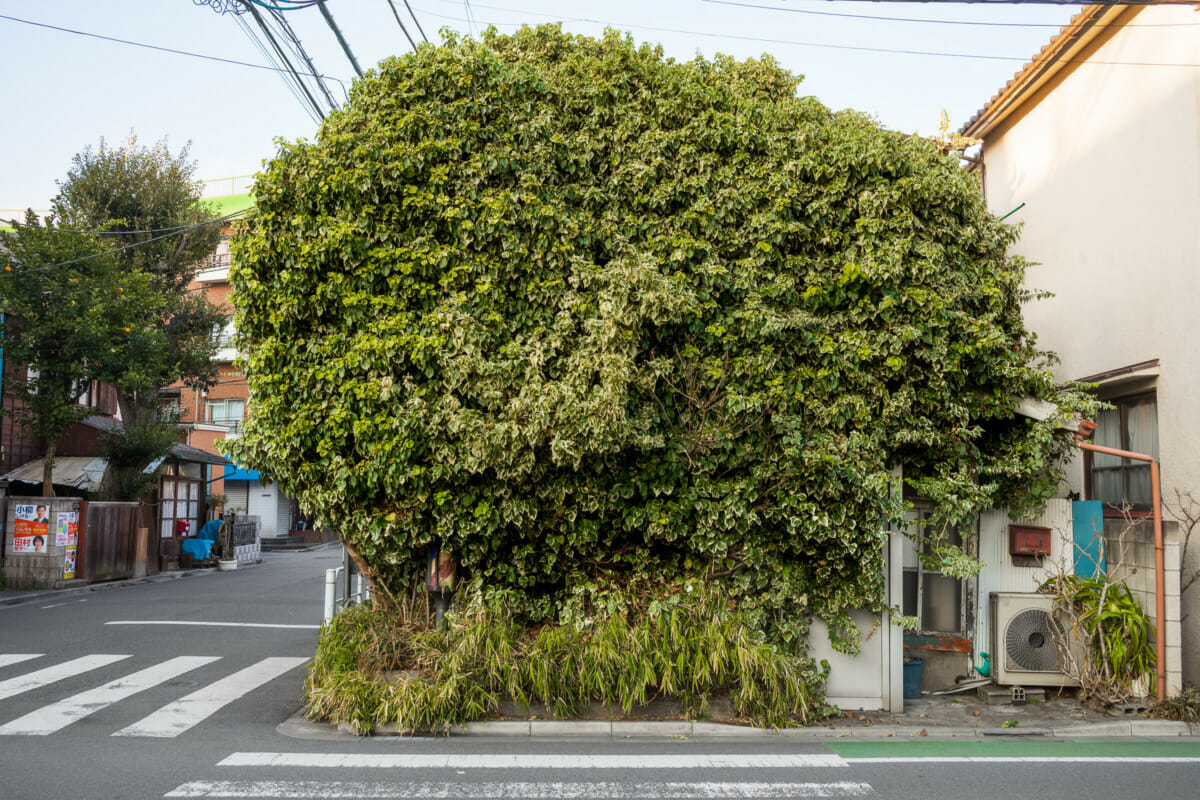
{"x": 196, "y": 709}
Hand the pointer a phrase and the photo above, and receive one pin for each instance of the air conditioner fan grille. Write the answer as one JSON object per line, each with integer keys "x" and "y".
{"x": 1030, "y": 642}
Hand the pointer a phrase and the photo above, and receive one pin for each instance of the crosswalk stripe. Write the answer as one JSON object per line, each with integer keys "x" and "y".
{"x": 998, "y": 759}
{"x": 534, "y": 761}
{"x": 16, "y": 658}
{"x": 175, "y": 718}
{"x": 44, "y": 677}
{"x": 303, "y": 790}
{"x": 56, "y": 716}
{"x": 211, "y": 624}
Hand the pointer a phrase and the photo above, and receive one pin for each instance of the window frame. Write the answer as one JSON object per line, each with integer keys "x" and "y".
{"x": 182, "y": 489}
{"x": 1123, "y": 404}
{"x": 224, "y": 421}
{"x": 921, "y": 571}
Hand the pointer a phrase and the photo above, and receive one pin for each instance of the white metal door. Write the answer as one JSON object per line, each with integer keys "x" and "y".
{"x": 264, "y": 505}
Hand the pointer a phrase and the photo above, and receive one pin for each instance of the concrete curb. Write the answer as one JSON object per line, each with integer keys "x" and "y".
{"x": 682, "y": 729}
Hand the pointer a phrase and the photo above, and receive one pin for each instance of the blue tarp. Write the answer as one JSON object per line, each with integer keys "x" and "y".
{"x": 201, "y": 546}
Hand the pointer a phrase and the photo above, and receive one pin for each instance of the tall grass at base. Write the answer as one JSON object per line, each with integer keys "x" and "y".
{"x": 375, "y": 667}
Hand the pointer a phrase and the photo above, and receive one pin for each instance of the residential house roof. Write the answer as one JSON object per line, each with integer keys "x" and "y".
{"x": 181, "y": 451}
{"x": 82, "y": 472}
{"x": 1070, "y": 47}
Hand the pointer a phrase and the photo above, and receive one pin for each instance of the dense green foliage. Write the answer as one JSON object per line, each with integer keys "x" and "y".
{"x": 147, "y": 202}
{"x": 369, "y": 671}
{"x": 136, "y": 194}
{"x": 59, "y": 322}
{"x": 586, "y": 314}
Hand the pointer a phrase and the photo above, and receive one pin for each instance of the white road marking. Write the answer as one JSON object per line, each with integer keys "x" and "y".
{"x": 532, "y": 761}
{"x": 177, "y": 717}
{"x": 16, "y": 658}
{"x": 53, "y": 605}
{"x": 206, "y": 624}
{"x": 56, "y": 716}
{"x": 302, "y": 790}
{"x": 1030, "y": 759}
{"x": 43, "y": 677}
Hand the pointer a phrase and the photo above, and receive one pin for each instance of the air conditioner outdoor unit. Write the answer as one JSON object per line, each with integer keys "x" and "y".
{"x": 1028, "y": 642}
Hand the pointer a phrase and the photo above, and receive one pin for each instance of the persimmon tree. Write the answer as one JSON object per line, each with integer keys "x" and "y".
{"x": 148, "y": 202}
{"x": 67, "y": 306}
{"x": 585, "y": 314}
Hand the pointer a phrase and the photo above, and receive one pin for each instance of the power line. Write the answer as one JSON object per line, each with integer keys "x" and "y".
{"x": 821, "y": 45}
{"x": 156, "y": 47}
{"x": 135, "y": 244}
{"x": 288, "y": 5}
{"x": 417, "y": 21}
{"x": 396, "y": 14}
{"x": 470, "y": 17}
{"x": 927, "y": 21}
{"x": 262, "y": 24}
{"x": 283, "y": 74}
{"x": 120, "y": 233}
{"x": 302, "y": 54}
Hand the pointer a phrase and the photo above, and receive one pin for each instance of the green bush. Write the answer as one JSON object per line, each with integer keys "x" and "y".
{"x": 691, "y": 648}
{"x": 587, "y": 314}
{"x": 1119, "y": 635}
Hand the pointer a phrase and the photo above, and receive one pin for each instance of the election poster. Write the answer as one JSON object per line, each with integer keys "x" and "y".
{"x": 69, "y": 563}
{"x": 32, "y": 529}
{"x": 66, "y": 531}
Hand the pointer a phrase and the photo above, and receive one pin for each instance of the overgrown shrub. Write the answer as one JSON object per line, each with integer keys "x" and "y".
{"x": 1118, "y": 635}
{"x": 692, "y": 647}
{"x": 587, "y": 314}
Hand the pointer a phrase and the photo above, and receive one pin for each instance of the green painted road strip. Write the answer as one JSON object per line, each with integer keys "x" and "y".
{"x": 1025, "y": 750}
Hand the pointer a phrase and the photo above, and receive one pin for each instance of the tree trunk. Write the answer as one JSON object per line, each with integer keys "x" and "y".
{"x": 48, "y": 470}
{"x": 127, "y": 407}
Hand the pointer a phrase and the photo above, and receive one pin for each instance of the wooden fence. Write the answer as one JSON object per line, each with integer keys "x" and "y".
{"x": 110, "y": 546}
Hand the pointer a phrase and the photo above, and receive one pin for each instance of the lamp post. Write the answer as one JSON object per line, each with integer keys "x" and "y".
{"x": 441, "y": 578}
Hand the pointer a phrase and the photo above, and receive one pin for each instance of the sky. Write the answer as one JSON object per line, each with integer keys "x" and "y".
{"x": 64, "y": 91}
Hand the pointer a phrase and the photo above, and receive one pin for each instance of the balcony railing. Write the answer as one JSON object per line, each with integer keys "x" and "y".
{"x": 231, "y": 425}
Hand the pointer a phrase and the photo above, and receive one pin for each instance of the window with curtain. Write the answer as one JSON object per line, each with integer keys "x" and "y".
{"x": 180, "y": 492}
{"x": 1131, "y": 424}
{"x": 228, "y": 413}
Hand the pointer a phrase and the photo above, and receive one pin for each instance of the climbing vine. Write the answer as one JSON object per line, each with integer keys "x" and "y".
{"x": 588, "y": 315}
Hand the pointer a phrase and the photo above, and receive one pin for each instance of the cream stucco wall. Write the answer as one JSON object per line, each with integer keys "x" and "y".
{"x": 1108, "y": 165}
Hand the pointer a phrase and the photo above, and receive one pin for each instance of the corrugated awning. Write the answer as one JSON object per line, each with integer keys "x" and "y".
{"x": 82, "y": 472}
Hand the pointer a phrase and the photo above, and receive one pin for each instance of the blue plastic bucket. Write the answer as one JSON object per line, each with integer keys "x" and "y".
{"x": 913, "y": 669}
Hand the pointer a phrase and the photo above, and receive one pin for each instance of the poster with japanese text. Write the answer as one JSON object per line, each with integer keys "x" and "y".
{"x": 66, "y": 532}
{"x": 69, "y": 563}
{"x": 32, "y": 529}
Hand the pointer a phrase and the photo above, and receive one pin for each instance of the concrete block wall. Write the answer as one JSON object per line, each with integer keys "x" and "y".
{"x": 1129, "y": 550}
{"x": 36, "y": 570}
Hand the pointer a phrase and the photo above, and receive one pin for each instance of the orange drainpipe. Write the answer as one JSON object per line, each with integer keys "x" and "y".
{"x": 1160, "y": 600}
